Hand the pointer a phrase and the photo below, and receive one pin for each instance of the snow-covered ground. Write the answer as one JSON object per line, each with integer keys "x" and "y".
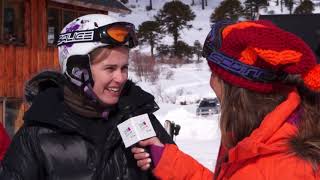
{"x": 199, "y": 136}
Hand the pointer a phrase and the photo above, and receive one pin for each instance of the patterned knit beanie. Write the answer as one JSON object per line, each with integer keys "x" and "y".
{"x": 257, "y": 55}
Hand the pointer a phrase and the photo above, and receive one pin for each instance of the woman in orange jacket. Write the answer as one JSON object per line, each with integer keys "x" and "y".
{"x": 268, "y": 82}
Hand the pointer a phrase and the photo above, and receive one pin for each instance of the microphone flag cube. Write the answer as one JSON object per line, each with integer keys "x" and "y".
{"x": 136, "y": 129}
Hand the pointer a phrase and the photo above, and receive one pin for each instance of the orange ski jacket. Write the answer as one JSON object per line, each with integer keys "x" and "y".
{"x": 265, "y": 154}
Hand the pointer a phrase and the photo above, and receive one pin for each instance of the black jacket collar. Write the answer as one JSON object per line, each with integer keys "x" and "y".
{"x": 45, "y": 93}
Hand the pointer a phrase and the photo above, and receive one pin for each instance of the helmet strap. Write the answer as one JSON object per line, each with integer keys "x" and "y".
{"x": 78, "y": 71}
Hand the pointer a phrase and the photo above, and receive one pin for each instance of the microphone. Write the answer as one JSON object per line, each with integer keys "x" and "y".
{"x": 136, "y": 129}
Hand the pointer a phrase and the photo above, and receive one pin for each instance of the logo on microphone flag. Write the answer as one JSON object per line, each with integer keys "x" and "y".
{"x": 136, "y": 129}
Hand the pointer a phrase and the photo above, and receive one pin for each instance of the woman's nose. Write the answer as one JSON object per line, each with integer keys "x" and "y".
{"x": 119, "y": 76}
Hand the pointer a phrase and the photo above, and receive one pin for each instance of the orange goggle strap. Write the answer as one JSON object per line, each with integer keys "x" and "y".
{"x": 115, "y": 34}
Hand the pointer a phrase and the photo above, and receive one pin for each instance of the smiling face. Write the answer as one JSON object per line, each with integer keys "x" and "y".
{"x": 109, "y": 72}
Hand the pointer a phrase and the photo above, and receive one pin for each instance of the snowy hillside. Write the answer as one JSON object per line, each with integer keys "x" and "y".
{"x": 201, "y": 25}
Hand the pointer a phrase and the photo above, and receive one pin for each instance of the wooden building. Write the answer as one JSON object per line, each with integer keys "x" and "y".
{"x": 28, "y": 31}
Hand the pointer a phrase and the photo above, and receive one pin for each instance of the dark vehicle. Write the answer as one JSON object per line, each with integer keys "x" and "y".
{"x": 208, "y": 107}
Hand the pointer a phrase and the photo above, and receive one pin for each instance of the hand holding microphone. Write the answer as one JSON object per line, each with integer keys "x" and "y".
{"x": 143, "y": 158}
{"x": 137, "y": 129}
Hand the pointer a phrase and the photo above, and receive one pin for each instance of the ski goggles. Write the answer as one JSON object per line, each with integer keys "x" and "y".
{"x": 211, "y": 52}
{"x": 213, "y": 40}
{"x": 115, "y": 34}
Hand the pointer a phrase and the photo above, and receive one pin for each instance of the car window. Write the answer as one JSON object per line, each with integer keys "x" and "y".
{"x": 207, "y": 104}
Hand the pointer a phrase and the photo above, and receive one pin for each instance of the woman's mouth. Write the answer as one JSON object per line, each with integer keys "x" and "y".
{"x": 115, "y": 90}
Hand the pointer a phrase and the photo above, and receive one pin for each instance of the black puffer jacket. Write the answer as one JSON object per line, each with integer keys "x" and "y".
{"x": 53, "y": 145}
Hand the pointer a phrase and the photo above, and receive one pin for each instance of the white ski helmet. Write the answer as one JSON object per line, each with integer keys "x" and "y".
{"x": 80, "y": 36}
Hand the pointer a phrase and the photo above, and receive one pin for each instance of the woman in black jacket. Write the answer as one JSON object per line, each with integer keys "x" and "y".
{"x": 70, "y": 130}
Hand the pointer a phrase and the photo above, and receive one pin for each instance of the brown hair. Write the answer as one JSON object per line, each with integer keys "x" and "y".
{"x": 98, "y": 54}
{"x": 243, "y": 110}
{"x": 306, "y": 143}
{"x": 239, "y": 114}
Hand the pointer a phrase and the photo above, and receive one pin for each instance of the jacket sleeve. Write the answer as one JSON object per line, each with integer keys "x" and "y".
{"x": 21, "y": 160}
{"x": 174, "y": 164}
{"x": 160, "y": 131}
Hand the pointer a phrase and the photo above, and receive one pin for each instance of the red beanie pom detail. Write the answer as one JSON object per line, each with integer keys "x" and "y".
{"x": 312, "y": 78}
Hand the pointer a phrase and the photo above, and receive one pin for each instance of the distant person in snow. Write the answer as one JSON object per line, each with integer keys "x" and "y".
{"x": 4, "y": 141}
{"x": 70, "y": 130}
{"x": 268, "y": 82}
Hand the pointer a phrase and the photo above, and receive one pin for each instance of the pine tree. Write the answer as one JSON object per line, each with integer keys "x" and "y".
{"x": 252, "y": 8}
{"x": 164, "y": 50}
{"x": 150, "y": 32}
{"x": 149, "y": 7}
{"x": 228, "y": 9}
{"x": 173, "y": 17}
{"x": 289, "y": 4}
{"x": 280, "y": 2}
{"x": 197, "y": 49}
{"x": 306, "y": 7}
{"x": 192, "y": 3}
{"x": 184, "y": 51}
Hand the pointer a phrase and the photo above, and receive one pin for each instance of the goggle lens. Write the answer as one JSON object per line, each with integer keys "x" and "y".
{"x": 118, "y": 33}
